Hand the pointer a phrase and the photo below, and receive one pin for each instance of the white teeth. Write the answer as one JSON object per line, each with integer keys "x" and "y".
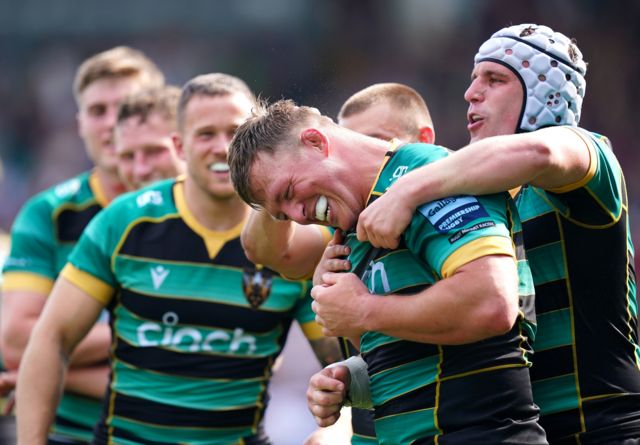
{"x": 321, "y": 208}
{"x": 219, "y": 167}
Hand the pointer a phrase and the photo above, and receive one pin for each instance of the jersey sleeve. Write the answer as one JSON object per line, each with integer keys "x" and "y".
{"x": 89, "y": 265}
{"x": 449, "y": 233}
{"x": 305, "y": 316}
{"x": 596, "y": 199}
{"x": 31, "y": 264}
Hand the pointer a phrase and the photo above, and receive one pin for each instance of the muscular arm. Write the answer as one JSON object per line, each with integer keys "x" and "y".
{"x": 286, "y": 247}
{"x": 549, "y": 158}
{"x": 20, "y": 312}
{"x": 480, "y": 300}
{"x": 67, "y": 317}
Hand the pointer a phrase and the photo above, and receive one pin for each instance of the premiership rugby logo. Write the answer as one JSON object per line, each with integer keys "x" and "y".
{"x": 256, "y": 284}
{"x": 453, "y": 213}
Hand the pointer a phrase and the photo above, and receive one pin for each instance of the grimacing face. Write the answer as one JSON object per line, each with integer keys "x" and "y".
{"x": 495, "y": 98}
{"x": 97, "y": 116}
{"x": 145, "y": 151}
{"x": 209, "y": 124}
{"x": 307, "y": 187}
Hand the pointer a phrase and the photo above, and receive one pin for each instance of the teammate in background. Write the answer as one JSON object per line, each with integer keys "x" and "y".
{"x": 196, "y": 326}
{"x": 572, "y": 198}
{"x": 385, "y": 111}
{"x": 143, "y": 137}
{"x": 471, "y": 383}
{"x": 49, "y": 225}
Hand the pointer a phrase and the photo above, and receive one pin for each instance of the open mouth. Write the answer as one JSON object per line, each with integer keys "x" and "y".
{"x": 219, "y": 167}
{"x": 323, "y": 212}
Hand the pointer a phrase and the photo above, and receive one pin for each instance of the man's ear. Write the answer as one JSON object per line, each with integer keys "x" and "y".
{"x": 427, "y": 135}
{"x": 315, "y": 139}
{"x": 177, "y": 144}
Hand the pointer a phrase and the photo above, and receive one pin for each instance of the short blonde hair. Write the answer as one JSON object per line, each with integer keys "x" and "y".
{"x": 118, "y": 62}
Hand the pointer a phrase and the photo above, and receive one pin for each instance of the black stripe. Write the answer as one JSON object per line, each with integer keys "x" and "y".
{"x": 552, "y": 363}
{"x": 102, "y": 437}
{"x": 562, "y": 425}
{"x": 417, "y": 399}
{"x": 199, "y": 313}
{"x": 71, "y": 222}
{"x": 551, "y": 296}
{"x": 169, "y": 240}
{"x": 148, "y": 411}
{"x": 584, "y": 207}
{"x": 66, "y": 422}
{"x": 395, "y": 354}
{"x": 206, "y": 366}
{"x": 491, "y": 407}
{"x": 362, "y": 422}
{"x": 601, "y": 320}
{"x": 540, "y": 231}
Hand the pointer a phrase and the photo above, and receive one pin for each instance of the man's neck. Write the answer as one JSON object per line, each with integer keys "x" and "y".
{"x": 110, "y": 183}
{"x": 214, "y": 213}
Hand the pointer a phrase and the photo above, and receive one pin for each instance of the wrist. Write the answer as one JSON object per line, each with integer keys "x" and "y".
{"x": 413, "y": 194}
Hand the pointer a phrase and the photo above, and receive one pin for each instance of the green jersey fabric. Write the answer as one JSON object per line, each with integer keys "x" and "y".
{"x": 429, "y": 393}
{"x": 586, "y": 374}
{"x": 43, "y": 234}
{"x": 196, "y": 326}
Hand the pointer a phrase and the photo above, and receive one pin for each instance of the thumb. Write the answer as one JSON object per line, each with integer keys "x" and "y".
{"x": 341, "y": 373}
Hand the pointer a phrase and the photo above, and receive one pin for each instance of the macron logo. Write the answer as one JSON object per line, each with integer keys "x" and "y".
{"x": 158, "y": 275}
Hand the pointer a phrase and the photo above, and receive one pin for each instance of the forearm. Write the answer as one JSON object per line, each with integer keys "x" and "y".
{"x": 94, "y": 348}
{"x": 38, "y": 389}
{"x": 283, "y": 246}
{"x": 89, "y": 381}
{"x": 15, "y": 340}
{"x": 326, "y": 349}
{"x": 469, "y": 306}
{"x": 548, "y": 158}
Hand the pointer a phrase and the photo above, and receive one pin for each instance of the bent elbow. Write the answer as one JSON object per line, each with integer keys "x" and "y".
{"x": 501, "y": 314}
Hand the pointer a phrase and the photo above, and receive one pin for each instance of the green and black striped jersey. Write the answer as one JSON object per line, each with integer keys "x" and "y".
{"x": 196, "y": 326}
{"x": 429, "y": 393}
{"x": 586, "y": 373}
{"x": 45, "y": 231}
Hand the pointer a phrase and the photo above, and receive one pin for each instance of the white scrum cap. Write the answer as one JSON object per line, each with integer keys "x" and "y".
{"x": 550, "y": 67}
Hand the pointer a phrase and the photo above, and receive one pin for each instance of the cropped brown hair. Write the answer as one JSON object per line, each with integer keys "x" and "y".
{"x": 118, "y": 62}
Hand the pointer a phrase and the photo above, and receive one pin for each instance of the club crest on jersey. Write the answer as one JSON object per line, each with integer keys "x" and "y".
{"x": 453, "y": 213}
{"x": 256, "y": 284}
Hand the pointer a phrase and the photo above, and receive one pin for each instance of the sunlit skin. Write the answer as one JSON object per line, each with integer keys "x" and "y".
{"x": 97, "y": 115}
{"x": 380, "y": 121}
{"x": 495, "y": 98}
{"x": 289, "y": 186}
{"x": 208, "y": 126}
{"x": 145, "y": 151}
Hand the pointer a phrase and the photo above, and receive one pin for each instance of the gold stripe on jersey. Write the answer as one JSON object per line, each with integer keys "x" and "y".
{"x": 591, "y": 171}
{"x": 27, "y": 282}
{"x": 214, "y": 239}
{"x": 394, "y": 145}
{"x": 98, "y": 191}
{"x": 93, "y": 286}
{"x": 487, "y": 245}
{"x": 312, "y": 330}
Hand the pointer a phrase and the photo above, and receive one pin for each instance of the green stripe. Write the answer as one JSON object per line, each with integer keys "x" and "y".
{"x": 547, "y": 263}
{"x": 172, "y": 434}
{"x": 371, "y": 340}
{"x": 219, "y": 284}
{"x": 556, "y": 394}
{"x": 81, "y": 410}
{"x": 187, "y": 392}
{"x": 395, "y": 382}
{"x": 404, "y": 428}
{"x": 525, "y": 286}
{"x": 633, "y": 301}
{"x": 554, "y": 329}
{"x": 193, "y": 338}
{"x": 363, "y": 440}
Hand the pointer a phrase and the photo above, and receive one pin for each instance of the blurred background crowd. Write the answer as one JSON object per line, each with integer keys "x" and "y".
{"x": 317, "y": 52}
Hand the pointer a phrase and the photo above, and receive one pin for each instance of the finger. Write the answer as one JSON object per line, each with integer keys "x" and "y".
{"x": 330, "y": 278}
{"x": 338, "y": 236}
{"x": 336, "y": 251}
{"x": 328, "y": 421}
{"x": 361, "y": 231}
{"x": 337, "y": 265}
